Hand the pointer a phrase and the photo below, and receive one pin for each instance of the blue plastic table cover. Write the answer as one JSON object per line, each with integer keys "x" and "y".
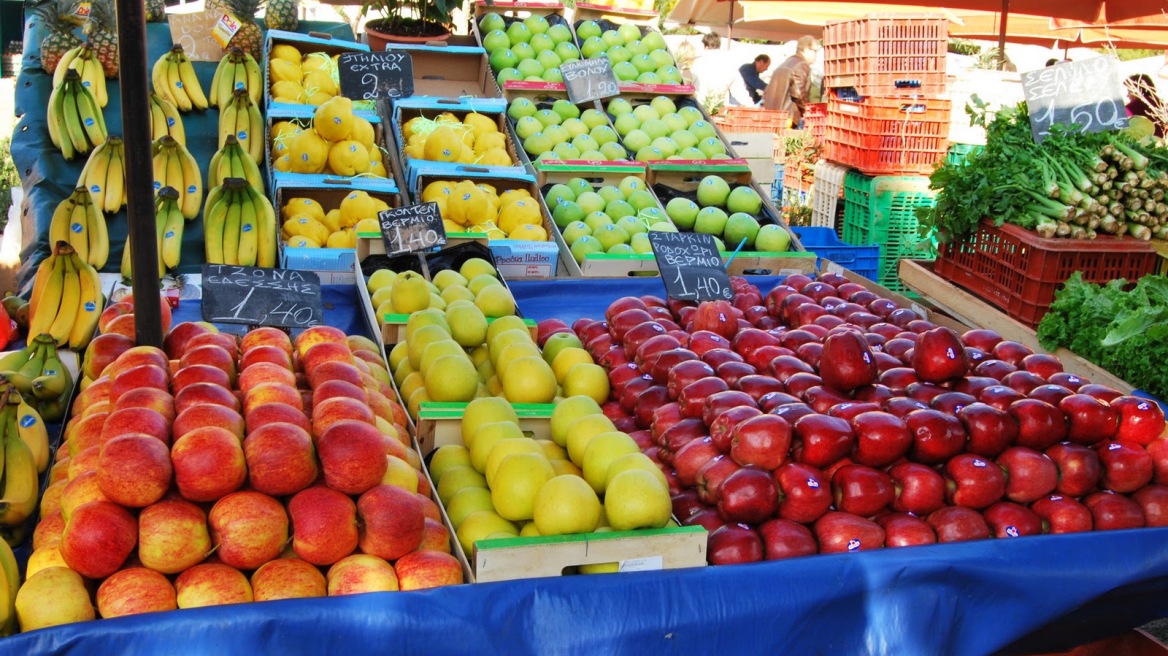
{"x": 1012, "y": 596}
{"x": 48, "y": 179}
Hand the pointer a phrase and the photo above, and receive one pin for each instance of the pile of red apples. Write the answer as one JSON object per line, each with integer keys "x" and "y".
{"x": 823, "y": 418}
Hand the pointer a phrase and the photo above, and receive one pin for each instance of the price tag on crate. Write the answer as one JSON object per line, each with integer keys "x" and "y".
{"x": 1086, "y": 93}
{"x": 691, "y": 266}
{"x": 261, "y": 297}
{"x": 589, "y": 79}
{"x": 374, "y": 75}
{"x": 412, "y": 228}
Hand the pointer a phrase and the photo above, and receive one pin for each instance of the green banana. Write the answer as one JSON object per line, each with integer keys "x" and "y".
{"x": 55, "y": 379}
{"x": 21, "y": 379}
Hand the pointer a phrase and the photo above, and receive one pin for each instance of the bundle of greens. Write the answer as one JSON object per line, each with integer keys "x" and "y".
{"x": 1071, "y": 185}
{"x": 1125, "y": 332}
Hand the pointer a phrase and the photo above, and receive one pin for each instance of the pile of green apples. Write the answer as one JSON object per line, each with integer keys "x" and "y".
{"x": 607, "y": 219}
{"x": 635, "y": 58}
{"x": 563, "y": 132}
{"x": 658, "y": 130}
{"x": 530, "y": 50}
{"x": 731, "y": 215}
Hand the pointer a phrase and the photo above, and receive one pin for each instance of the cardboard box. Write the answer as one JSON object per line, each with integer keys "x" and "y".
{"x": 450, "y": 71}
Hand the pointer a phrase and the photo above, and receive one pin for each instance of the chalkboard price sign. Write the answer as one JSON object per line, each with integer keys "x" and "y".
{"x": 589, "y": 79}
{"x": 261, "y": 297}
{"x": 412, "y": 228}
{"x": 375, "y": 75}
{"x": 1086, "y": 93}
{"x": 691, "y": 266}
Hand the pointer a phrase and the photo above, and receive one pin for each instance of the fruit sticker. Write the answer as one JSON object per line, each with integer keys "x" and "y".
{"x": 853, "y": 544}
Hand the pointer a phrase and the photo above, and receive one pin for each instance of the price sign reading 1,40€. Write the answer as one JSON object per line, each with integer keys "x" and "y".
{"x": 690, "y": 266}
{"x": 589, "y": 79}
{"x": 412, "y": 228}
{"x": 261, "y": 297}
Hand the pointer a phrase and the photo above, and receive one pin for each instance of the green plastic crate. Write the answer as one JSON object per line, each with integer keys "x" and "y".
{"x": 882, "y": 210}
{"x": 959, "y": 152}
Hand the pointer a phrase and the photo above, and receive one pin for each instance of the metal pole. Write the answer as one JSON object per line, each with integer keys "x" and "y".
{"x": 1002, "y": 35}
{"x": 143, "y": 235}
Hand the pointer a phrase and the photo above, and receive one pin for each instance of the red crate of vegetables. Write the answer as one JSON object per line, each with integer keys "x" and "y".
{"x": 1019, "y": 272}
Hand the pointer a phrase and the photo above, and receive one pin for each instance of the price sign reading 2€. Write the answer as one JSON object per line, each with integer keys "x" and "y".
{"x": 690, "y": 266}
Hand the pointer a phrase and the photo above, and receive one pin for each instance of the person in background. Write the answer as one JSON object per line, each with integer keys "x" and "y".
{"x": 1144, "y": 101}
{"x": 751, "y": 81}
{"x": 710, "y": 82}
{"x": 790, "y": 86}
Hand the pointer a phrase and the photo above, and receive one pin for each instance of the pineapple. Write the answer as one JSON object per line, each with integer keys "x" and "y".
{"x": 282, "y": 15}
{"x": 102, "y": 34}
{"x": 249, "y": 38}
{"x": 57, "y": 16}
{"x": 155, "y": 11}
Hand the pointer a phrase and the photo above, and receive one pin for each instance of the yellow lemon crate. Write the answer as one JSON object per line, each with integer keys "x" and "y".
{"x": 297, "y": 153}
{"x": 437, "y": 133}
{"x": 317, "y": 222}
{"x": 286, "y": 81}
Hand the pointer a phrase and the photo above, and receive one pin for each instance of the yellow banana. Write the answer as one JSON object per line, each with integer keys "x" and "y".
{"x": 89, "y": 306}
{"x": 67, "y": 309}
{"x": 73, "y": 128}
{"x": 98, "y": 232}
{"x": 182, "y": 99}
{"x": 56, "y": 121}
{"x": 92, "y": 76}
{"x": 62, "y": 216}
{"x": 227, "y": 120}
{"x": 115, "y": 181}
{"x": 20, "y": 481}
{"x": 188, "y": 79}
{"x": 41, "y": 317}
{"x": 79, "y": 227}
{"x": 11, "y": 572}
{"x": 91, "y": 117}
{"x": 159, "y": 81}
{"x": 248, "y": 229}
{"x": 159, "y": 223}
{"x": 157, "y": 119}
{"x": 174, "y": 122}
{"x": 64, "y": 64}
{"x": 174, "y": 172}
{"x": 214, "y": 220}
{"x": 127, "y": 271}
{"x": 87, "y": 178}
{"x": 216, "y": 79}
{"x": 54, "y": 379}
{"x": 255, "y": 78}
{"x": 171, "y": 219}
{"x": 192, "y": 182}
{"x": 265, "y": 227}
{"x": 255, "y": 131}
{"x": 236, "y": 157}
{"x": 40, "y": 280}
{"x": 160, "y": 165}
{"x": 31, "y": 428}
{"x": 231, "y": 226}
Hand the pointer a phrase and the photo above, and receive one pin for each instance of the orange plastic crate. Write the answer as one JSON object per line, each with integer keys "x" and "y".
{"x": 887, "y": 54}
{"x": 888, "y": 136}
{"x": 815, "y": 120}
{"x": 1019, "y": 272}
{"x": 796, "y": 176}
{"x": 752, "y": 119}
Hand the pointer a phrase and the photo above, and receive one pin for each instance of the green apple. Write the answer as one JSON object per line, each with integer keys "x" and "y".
{"x": 604, "y": 135}
{"x": 646, "y": 113}
{"x": 683, "y": 212}
{"x": 558, "y": 342}
{"x": 565, "y": 109}
{"x": 529, "y": 68}
{"x": 663, "y": 226}
{"x": 691, "y": 153}
{"x": 666, "y": 145}
{"x": 618, "y": 106}
{"x": 713, "y": 191}
{"x": 640, "y": 243}
{"x": 610, "y": 193}
{"x": 701, "y": 129}
{"x": 649, "y": 154}
{"x": 618, "y": 54}
{"x": 719, "y": 244}
{"x": 552, "y": 75}
{"x": 575, "y": 230}
{"x": 538, "y": 144}
{"x": 625, "y": 72}
{"x": 556, "y": 133}
{"x": 675, "y": 123}
{"x": 712, "y": 147}
{"x": 491, "y": 22}
{"x": 637, "y": 47}
{"x": 578, "y": 186}
{"x": 517, "y": 32}
{"x": 613, "y": 151}
{"x": 537, "y": 24}
{"x": 508, "y": 74}
{"x": 558, "y": 193}
{"x": 566, "y": 151}
{"x": 684, "y": 139}
{"x": 663, "y": 105}
{"x": 691, "y": 115}
{"x": 593, "y": 118}
{"x": 629, "y": 32}
{"x": 612, "y": 38}
{"x": 621, "y": 249}
{"x": 739, "y": 226}
{"x": 583, "y": 247}
{"x": 588, "y": 29}
{"x": 637, "y": 139}
{"x": 523, "y": 51}
{"x": 503, "y": 58}
{"x": 654, "y": 41}
{"x": 567, "y": 213}
{"x": 521, "y": 107}
{"x": 643, "y": 64}
{"x": 559, "y": 33}
{"x": 632, "y": 225}
{"x": 567, "y": 51}
{"x": 496, "y": 40}
{"x": 626, "y": 123}
{"x": 642, "y": 199}
{"x": 660, "y": 58}
{"x": 585, "y": 143}
{"x": 590, "y": 201}
{"x": 711, "y": 220}
{"x": 651, "y": 215}
{"x": 648, "y": 77}
{"x": 611, "y": 235}
{"x": 548, "y": 117}
{"x": 619, "y": 209}
{"x": 744, "y": 199}
{"x": 629, "y": 184}
{"x": 597, "y": 220}
{"x": 542, "y": 43}
{"x": 575, "y": 128}
{"x": 527, "y": 126}
{"x": 670, "y": 75}
{"x": 655, "y": 128}
{"x": 591, "y": 47}
{"x": 592, "y": 155}
{"x": 772, "y": 239}
{"x": 548, "y": 60}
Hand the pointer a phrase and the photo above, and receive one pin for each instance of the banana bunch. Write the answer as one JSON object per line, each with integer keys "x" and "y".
{"x": 241, "y": 117}
{"x": 66, "y": 299}
{"x": 232, "y": 161}
{"x": 239, "y": 225}
{"x": 104, "y": 175}
{"x": 237, "y": 70}
{"x": 174, "y": 79}
{"x": 83, "y": 60}
{"x": 165, "y": 120}
{"x": 174, "y": 166}
{"x": 76, "y": 124}
{"x": 79, "y": 221}
{"x": 21, "y": 481}
{"x": 36, "y": 373}
{"x": 8, "y": 588}
{"x": 168, "y": 229}
{"x": 17, "y": 309}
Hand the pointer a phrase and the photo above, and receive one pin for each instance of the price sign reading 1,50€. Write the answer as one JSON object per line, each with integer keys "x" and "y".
{"x": 690, "y": 266}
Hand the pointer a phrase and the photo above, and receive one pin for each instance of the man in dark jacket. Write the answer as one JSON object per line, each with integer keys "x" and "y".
{"x": 790, "y": 84}
{"x": 750, "y": 77}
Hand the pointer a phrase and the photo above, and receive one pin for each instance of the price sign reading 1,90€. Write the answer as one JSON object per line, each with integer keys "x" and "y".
{"x": 690, "y": 266}
{"x": 589, "y": 79}
{"x": 261, "y": 297}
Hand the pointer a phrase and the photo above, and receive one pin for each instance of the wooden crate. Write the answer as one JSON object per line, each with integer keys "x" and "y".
{"x": 440, "y": 424}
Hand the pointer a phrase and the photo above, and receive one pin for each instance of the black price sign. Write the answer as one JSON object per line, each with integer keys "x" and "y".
{"x": 1086, "y": 93}
{"x": 261, "y": 297}
{"x": 589, "y": 79}
{"x": 374, "y": 75}
{"x": 691, "y": 266}
{"x": 412, "y": 228}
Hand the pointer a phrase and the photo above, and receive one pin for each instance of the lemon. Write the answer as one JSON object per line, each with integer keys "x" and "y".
{"x": 485, "y": 411}
{"x": 300, "y": 241}
{"x": 368, "y": 226}
{"x": 443, "y": 145}
{"x": 283, "y": 163}
{"x": 348, "y": 158}
{"x": 308, "y": 152}
{"x": 482, "y": 123}
{"x": 517, "y": 212}
{"x": 410, "y": 127}
{"x": 513, "y": 195}
{"x": 526, "y": 232}
{"x": 280, "y": 129}
{"x": 355, "y": 206}
{"x": 332, "y": 220}
{"x": 437, "y": 189}
{"x": 529, "y": 380}
{"x": 305, "y": 226}
{"x": 302, "y": 207}
{"x": 320, "y": 83}
{"x": 364, "y": 134}
{"x": 334, "y": 119}
{"x": 283, "y": 70}
{"x": 286, "y": 52}
{"x": 289, "y": 91}
{"x": 317, "y": 61}
{"x": 464, "y": 202}
{"x": 485, "y": 141}
{"x": 494, "y": 157}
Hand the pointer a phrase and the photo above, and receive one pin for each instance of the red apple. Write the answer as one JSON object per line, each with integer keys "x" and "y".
{"x": 989, "y": 430}
{"x": 861, "y": 490}
{"x": 733, "y": 544}
{"x": 841, "y": 532}
{"x": 711, "y": 476}
{"x": 1000, "y": 397}
{"x": 722, "y": 428}
{"x": 682, "y": 374}
{"x": 847, "y": 362}
{"x": 748, "y": 496}
{"x": 1063, "y": 514}
{"x": 958, "y": 524}
{"x": 1079, "y": 468}
{"x": 783, "y": 538}
{"x": 804, "y": 494}
{"x": 1030, "y": 475}
{"x": 1153, "y": 500}
{"x": 763, "y": 441}
{"x": 904, "y": 530}
{"x": 973, "y": 481}
{"x": 1141, "y": 421}
{"x": 1089, "y": 420}
{"x": 821, "y": 440}
{"x": 1040, "y": 424}
{"x": 1111, "y": 511}
{"x": 881, "y": 438}
{"x": 919, "y": 489}
{"x": 1010, "y": 520}
{"x": 1011, "y": 352}
{"x": 937, "y": 437}
{"x": 1126, "y": 466}
{"x": 691, "y": 457}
